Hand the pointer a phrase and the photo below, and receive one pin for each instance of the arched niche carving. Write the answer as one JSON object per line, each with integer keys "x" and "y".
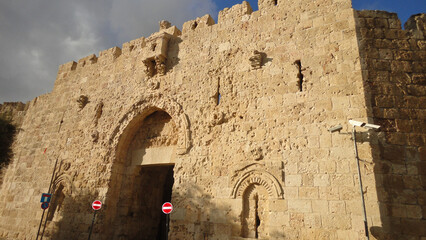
{"x": 258, "y": 177}
{"x": 66, "y": 181}
{"x": 132, "y": 119}
{"x": 254, "y": 215}
{"x": 62, "y": 187}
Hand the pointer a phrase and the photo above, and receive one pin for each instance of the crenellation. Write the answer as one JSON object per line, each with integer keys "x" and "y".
{"x": 234, "y": 14}
{"x": 135, "y": 45}
{"x": 198, "y": 23}
{"x": 416, "y": 24}
{"x": 89, "y": 60}
{"x": 66, "y": 67}
{"x": 109, "y": 56}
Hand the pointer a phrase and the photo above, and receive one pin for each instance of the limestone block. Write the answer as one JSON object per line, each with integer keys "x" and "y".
{"x": 308, "y": 192}
{"x": 293, "y": 180}
{"x": 321, "y": 180}
{"x": 319, "y": 206}
{"x": 336, "y": 221}
{"x": 300, "y": 206}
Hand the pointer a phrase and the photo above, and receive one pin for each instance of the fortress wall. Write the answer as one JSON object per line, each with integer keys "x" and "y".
{"x": 394, "y": 70}
{"x": 270, "y": 121}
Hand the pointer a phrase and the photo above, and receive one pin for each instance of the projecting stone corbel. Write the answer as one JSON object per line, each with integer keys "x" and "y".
{"x": 155, "y": 50}
{"x": 256, "y": 60}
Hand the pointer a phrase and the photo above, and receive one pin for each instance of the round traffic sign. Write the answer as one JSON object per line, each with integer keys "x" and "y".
{"x": 96, "y": 205}
{"x": 167, "y": 208}
{"x": 44, "y": 205}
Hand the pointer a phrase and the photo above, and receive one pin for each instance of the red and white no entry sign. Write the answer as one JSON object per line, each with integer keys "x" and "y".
{"x": 167, "y": 208}
{"x": 96, "y": 205}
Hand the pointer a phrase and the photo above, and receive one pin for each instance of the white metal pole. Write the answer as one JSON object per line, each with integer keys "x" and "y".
{"x": 360, "y": 183}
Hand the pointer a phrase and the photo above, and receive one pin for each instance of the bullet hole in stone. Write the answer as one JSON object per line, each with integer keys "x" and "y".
{"x": 275, "y": 2}
{"x": 194, "y": 25}
{"x": 299, "y": 75}
{"x": 241, "y": 117}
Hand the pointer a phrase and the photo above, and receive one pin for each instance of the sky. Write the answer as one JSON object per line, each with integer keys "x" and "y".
{"x": 36, "y": 36}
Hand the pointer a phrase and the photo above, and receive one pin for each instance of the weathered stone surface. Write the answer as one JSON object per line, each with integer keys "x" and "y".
{"x": 237, "y": 140}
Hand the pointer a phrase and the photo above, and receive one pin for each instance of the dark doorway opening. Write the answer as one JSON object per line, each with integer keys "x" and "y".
{"x": 158, "y": 183}
{"x": 167, "y": 197}
{"x": 143, "y": 194}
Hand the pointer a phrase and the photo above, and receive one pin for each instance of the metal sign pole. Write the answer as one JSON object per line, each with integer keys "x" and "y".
{"x": 93, "y": 221}
{"x": 360, "y": 184}
{"x": 50, "y": 186}
{"x": 41, "y": 221}
{"x": 167, "y": 226}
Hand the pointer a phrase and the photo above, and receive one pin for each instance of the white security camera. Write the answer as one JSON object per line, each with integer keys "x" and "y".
{"x": 372, "y": 126}
{"x": 335, "y": 128}
{"x": 356, "y": 123}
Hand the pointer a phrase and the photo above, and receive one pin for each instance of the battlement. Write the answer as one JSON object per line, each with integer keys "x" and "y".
{"x": 228, "y": 16}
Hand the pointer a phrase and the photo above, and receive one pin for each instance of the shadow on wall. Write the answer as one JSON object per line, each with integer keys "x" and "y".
{"x": 70, "y": 217}
{"x": 199, "y": 216}
{"x": 395, "y": 88}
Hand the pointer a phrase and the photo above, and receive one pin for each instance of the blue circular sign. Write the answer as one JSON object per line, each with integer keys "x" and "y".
{"x": 44, "y": 205}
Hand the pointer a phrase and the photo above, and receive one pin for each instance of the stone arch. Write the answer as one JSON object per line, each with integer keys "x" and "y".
{"x": 262, "y": 178}
{"x": 132, "y": 119}
{"x": 130, "y": 185}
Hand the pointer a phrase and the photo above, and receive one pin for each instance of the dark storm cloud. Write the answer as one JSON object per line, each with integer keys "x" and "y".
{"x": 36, "y": 36}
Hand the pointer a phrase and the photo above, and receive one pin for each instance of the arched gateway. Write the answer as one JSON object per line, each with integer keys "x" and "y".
{"x": 146, "y": 143}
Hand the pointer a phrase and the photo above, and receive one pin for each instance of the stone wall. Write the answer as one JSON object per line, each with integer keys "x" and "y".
{"x": 394, "y": 70}
{"x": 250, "y": 101}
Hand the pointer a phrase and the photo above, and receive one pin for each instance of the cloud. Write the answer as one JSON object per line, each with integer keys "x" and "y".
{"x": 39, "y": 35}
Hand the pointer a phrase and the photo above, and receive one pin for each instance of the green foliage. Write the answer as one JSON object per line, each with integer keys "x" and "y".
{"x": 7, "y": 133}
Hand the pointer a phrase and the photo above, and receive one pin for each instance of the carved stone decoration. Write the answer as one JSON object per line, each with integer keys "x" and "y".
{"x": 95, "y": 136}
{"x": 216, "y": 118}
{"x": 256, "y": 60}
{"x": 160, "y": 64}
{"x": 253, "y": 152}
{"x": 82, "y": 101}
{"x": 184, "y": 141}
{"x": 153, "y": 85}
{"x": 62, "y": 188}
{"x": 266, "y": 179}
{"x": 143, "y": 108}
{"x": 149, "y": 67}
{"x": 66, "y": 181}
{"x": 98, "y": 113}
{"x": 256, "y": 153}
{"x": 164, "y": 25}
{"x": 66, "y": 166}
{"x": 155, "y": 52}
